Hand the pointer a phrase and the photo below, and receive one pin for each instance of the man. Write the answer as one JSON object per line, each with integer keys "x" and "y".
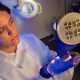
{"x": 21, "y": 57}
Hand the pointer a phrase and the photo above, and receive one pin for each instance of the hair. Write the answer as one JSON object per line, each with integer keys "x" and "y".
{"x": 4, "y": 8}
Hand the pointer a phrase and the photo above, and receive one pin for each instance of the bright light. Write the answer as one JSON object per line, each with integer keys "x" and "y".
{"x": 29, "y": 8}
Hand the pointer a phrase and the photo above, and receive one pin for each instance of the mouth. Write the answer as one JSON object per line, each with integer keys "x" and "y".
{"x": 13, "y": 40}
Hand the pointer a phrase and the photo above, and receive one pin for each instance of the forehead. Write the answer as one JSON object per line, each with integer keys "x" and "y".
{"x": 4, "y": 17}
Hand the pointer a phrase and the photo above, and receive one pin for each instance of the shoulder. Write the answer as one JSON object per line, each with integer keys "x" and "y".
{"x": 30, "y": 39}
{"x": 27, "y": 36}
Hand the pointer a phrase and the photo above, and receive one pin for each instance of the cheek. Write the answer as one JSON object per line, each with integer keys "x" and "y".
{"x": 5, "y": 38}
{"x": 1, "y": 41}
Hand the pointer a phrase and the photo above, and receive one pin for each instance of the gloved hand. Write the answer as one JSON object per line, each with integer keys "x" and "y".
{"x": 57, "y": 66}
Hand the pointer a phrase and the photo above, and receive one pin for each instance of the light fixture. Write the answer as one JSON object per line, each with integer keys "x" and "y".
{"x": 28, "y": 8}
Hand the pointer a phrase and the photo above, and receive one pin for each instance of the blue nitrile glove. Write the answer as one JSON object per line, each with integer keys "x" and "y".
{"x": 56, "y": 66}
{"x": 59, "y": 65}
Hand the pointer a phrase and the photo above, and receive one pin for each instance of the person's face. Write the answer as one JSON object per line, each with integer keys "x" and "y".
{"x": 8, "y": 31}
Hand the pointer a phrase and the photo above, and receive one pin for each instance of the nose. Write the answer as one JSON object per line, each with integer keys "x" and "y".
{"x": 9, "y": 33}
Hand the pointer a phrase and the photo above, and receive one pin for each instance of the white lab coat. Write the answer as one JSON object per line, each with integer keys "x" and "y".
{"x": 30, "y": 56}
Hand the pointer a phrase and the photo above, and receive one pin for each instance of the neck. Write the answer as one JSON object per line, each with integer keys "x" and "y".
{"x": 9, "y": 50}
